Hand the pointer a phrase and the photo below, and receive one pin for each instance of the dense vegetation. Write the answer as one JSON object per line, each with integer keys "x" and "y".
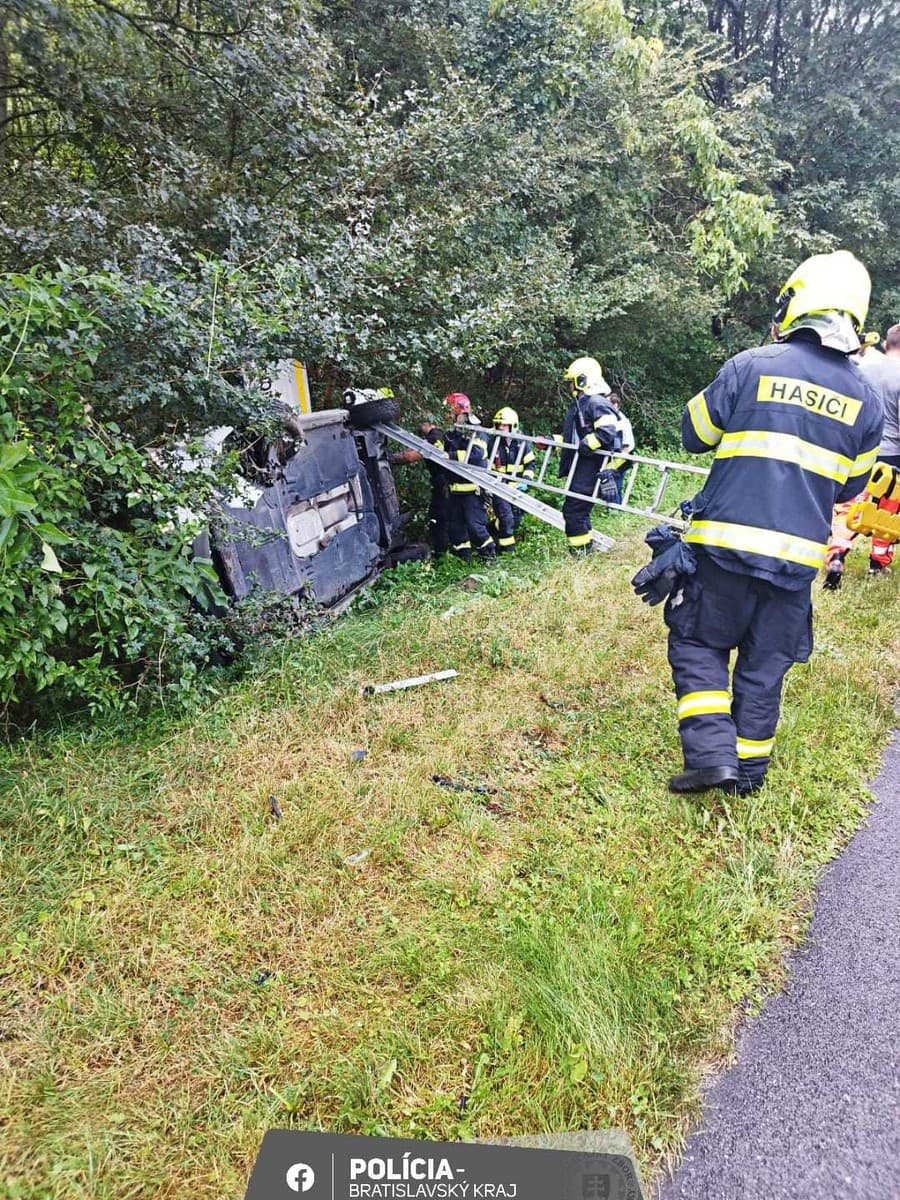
{"x": 421, "y": 192}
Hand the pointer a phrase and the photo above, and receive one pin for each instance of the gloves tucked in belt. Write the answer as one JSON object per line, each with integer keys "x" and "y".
{"x": 672, "y": 561}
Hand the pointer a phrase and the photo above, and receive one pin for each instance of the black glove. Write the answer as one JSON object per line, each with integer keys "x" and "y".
{"x": 672, "y": 562}
{"x": 609, "y": 489}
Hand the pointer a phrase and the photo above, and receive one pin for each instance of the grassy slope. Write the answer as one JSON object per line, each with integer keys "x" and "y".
{"x": 565, "y": 953}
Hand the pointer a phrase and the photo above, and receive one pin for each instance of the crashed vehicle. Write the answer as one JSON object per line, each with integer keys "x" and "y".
{"x": 319, "y": 506}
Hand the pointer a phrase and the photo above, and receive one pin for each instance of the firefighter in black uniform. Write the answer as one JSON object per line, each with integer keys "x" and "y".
{"x": 467, "y": 518}
{"x": 592, "y": 424}
{"x": 795, "y": 427}
{"x": 439, "y": 505}
{"x": 515, "y": 461}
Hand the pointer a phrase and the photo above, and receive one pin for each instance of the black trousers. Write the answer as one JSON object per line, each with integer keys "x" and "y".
{"x": 715, "y": 612}
{"x": 509, "y": 518}
{"x": 439, "y": 518}
{"x": 467, "y": 523}
{"x": 577, "y": 513}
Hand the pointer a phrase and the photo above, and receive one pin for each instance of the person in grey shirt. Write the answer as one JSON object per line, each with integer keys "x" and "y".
{"x": 883, "y": 372}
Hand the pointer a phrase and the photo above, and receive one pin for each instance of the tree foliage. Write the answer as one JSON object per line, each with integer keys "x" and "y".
{"x": 426, "y": 193}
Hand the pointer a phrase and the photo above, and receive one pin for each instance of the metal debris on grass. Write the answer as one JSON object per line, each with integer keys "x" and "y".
{"x": 399, "y": 685}
{"x": 353, "y": 860}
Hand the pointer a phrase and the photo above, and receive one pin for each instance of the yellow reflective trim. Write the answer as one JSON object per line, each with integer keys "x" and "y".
{"x": 579, "y": 539}
{"x": 699, "y": 704}
{"x": 748, "y": 748}
{"x": 704, "y": 427}
{"x": 785, "y": 447}
{"x": 865, "y": 462}
{"x": 463, "y": 487}
{"x": 593, "y": 441}
{"x": 750, "y": 540}
{"x": 784, "y": 390}
{"x": 510, "y": 541}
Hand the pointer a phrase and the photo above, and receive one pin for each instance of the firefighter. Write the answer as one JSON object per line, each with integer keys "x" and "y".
{"x": 795, "y": 427}
{"x": 439, "y": 504}
{"x": 467, "y": 519}
{"x": 592, "y": 424}
{"x": 515, "y": 461}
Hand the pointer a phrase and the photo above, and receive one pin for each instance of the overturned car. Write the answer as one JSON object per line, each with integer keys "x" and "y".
{"x": 317, "y": 514}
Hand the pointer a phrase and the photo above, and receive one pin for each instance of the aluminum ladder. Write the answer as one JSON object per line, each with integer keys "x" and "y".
{"x": 498, "y": 483}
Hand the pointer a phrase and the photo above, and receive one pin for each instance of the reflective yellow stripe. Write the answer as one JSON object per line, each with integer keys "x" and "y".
{"x": 747, "y": 748}
{"x": 510, "y": 541}
{"x": 758, "y": 443}
{"x": 702, "y": 422}
{"x": 579, "y": 539}
{"x": 864, "y": 463}
{"x": 463, "y": 487}
{"x": 699, "y": 704}
{"x": 593, "y": 441}
{"x": 750, "y": 540}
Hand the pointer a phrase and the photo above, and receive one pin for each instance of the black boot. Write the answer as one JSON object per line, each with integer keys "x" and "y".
{"x": 743, "y": 787}
{"x": 702, "y": 779}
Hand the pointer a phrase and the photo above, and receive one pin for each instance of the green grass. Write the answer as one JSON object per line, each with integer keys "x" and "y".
{"x": 567, "y": 952}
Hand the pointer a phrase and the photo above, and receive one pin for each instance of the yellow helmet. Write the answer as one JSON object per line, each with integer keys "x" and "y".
{"x": 835, "y": 282}
{"x": 585, "y": 375}
{"x": 507, "y": 416}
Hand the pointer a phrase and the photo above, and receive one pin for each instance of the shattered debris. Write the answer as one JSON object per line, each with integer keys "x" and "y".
{"x": 452, "y": 785}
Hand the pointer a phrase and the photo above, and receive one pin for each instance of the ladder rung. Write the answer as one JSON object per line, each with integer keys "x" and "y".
{"x": 661, "y": 488}
{"x": 630, "y": 482}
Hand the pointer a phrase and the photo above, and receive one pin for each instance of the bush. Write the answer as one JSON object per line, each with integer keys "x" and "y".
{"x": 98, "y": 581}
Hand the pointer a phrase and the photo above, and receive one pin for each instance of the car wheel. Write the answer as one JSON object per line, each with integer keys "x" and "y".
{"x": 373, "y": 412}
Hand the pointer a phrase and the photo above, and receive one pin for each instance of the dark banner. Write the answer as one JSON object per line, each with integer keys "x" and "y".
{"x": 324, "y": 1166}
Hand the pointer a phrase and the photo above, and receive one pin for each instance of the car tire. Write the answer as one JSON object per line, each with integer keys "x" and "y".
{"x": 373, "y": 412}
{"x": 411, "y": 552}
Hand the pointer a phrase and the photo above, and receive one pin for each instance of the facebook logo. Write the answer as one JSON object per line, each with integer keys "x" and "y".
{"x": 300, "y": 1177}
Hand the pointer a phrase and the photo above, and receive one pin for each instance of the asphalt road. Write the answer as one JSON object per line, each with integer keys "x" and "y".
{"x": 811, "y": 1109}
